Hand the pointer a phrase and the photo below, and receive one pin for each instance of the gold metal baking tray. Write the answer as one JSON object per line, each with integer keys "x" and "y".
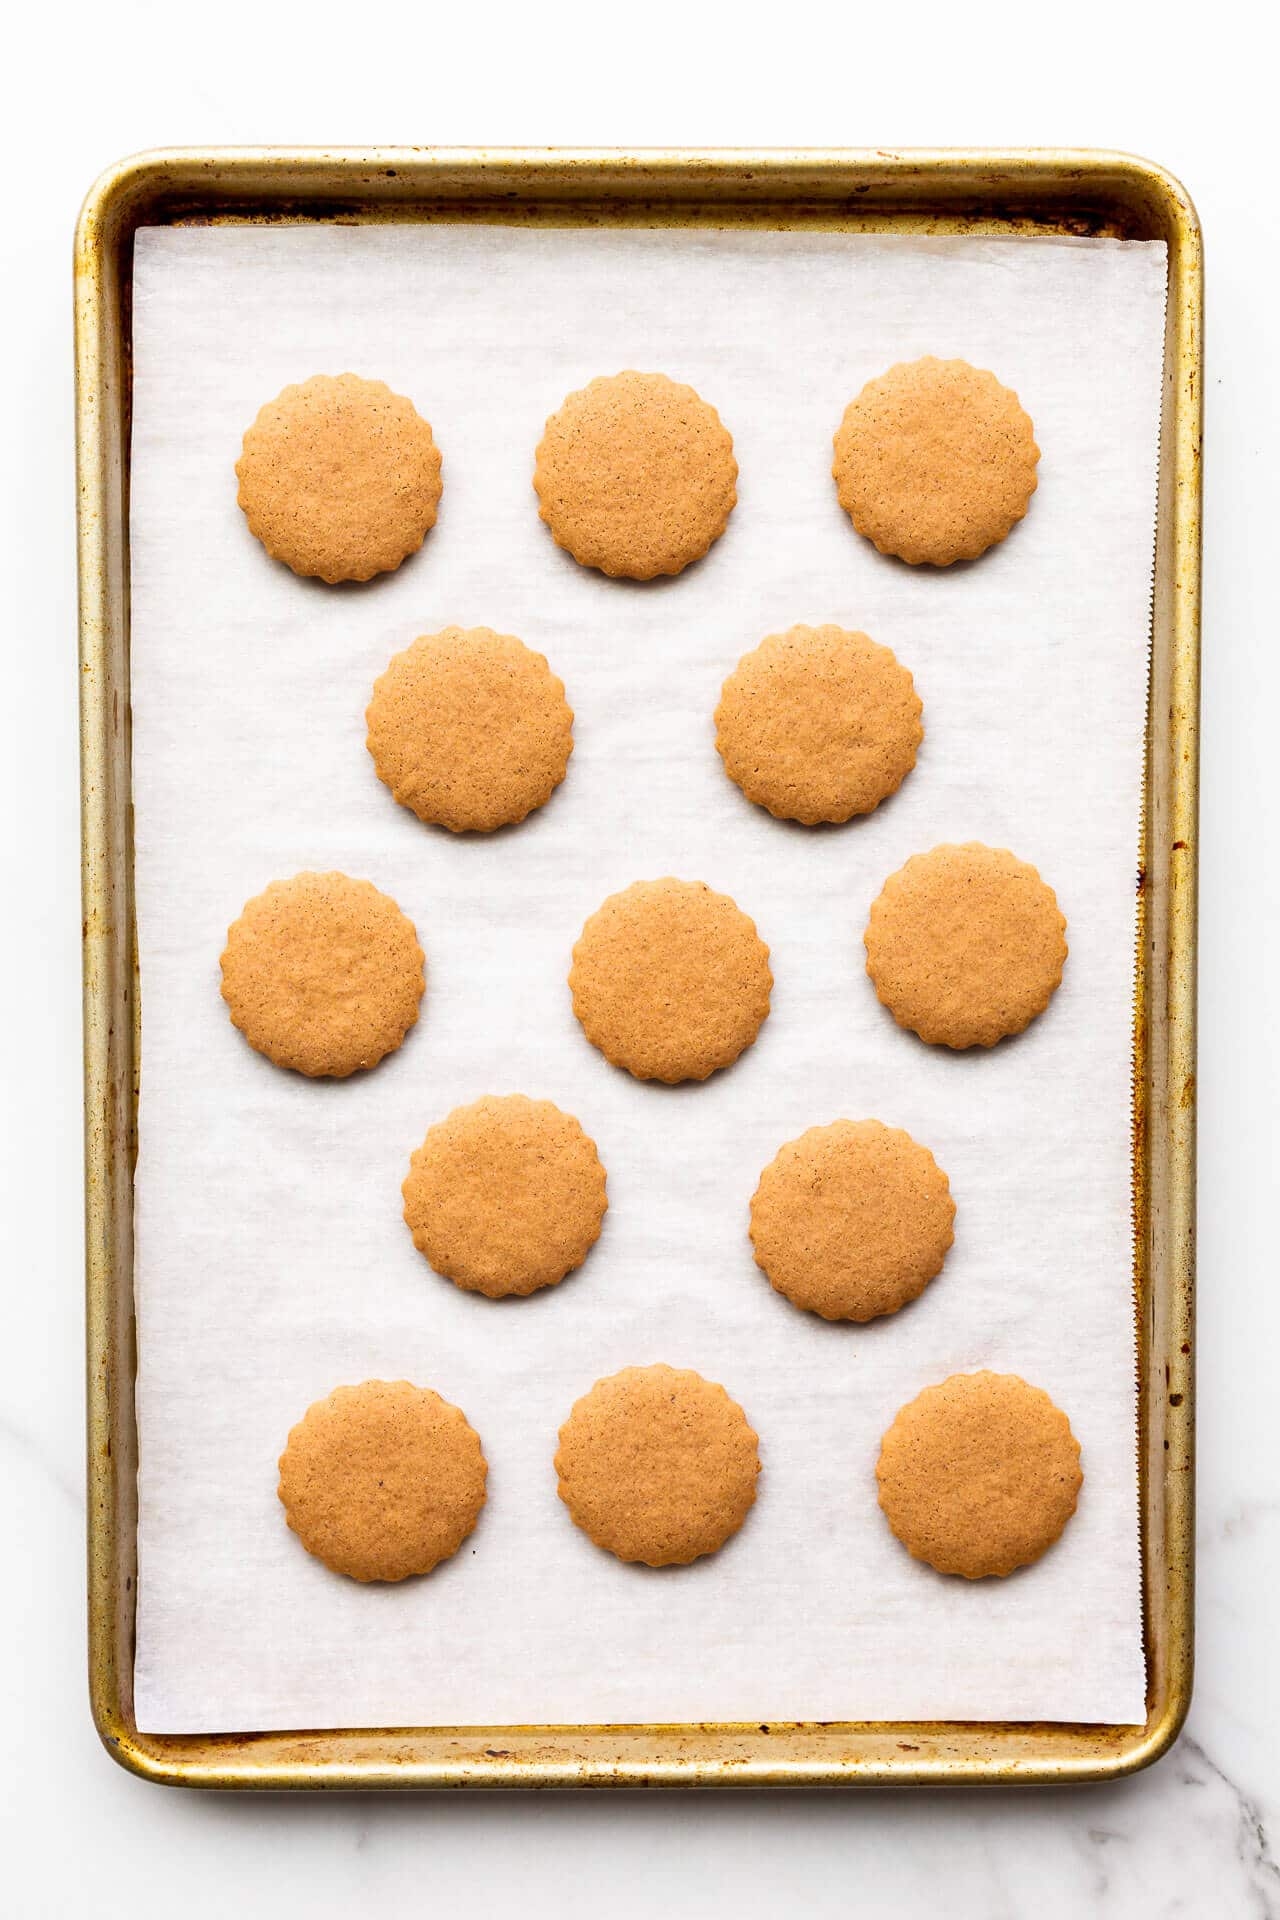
{"x": 945, "y": 191}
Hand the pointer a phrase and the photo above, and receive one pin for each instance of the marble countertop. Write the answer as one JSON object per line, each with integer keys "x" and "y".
{"x": 1197, "y": 1836}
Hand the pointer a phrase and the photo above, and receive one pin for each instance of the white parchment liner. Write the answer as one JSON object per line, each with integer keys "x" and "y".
{"x": 272, "y": 1262}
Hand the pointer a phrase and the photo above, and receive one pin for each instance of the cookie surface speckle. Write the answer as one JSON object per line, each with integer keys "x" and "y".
{"x": 852, "y": 1220}
{"x": 979, "y": 1474}
{"x": 818, "y": 724}
{"x": 935, "y": 461}
{"x": 383, "y": 1480}
{"x": 965, "y": 945}
{"x": 658, "y": 1465}
{"x": 635, "y": 475}
{"x": 670, "y": 980}
{"x": 505, "y": 1196}
{"x": 323, "y": 974}
{"x": 339, "y": 478}
{"x": 470, "y": 729}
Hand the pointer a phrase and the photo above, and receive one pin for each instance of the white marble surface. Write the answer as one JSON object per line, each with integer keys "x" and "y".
{"x": 1198, "y": 1836}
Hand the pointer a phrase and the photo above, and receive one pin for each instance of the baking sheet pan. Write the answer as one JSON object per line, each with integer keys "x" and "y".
{"x": 796, "y": 1757}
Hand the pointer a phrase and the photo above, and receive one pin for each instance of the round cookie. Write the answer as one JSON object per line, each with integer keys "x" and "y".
{"x": 818, "y": 724}
{"x": 852, "y": 1220}
{"x": 658, "y": 1465}
{"x": 339, "y": 477}
{"x": 382, "y": 1480}
{"x": 670, "y": 980}
{"x": 979, "y": 1475}
{"x": 635, "y": 475}
{"x": 505, "y": 1196}
{"x": 965, "y": 945}
{"x": 323, "y": 974}
{"x": 935, "y": 461}
{"x": 470, "y": 729}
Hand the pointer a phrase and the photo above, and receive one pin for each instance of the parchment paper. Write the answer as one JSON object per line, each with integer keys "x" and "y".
{"x": 272, "y": 1262}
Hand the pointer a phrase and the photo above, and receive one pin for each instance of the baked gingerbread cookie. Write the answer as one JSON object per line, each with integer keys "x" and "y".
{"x": 322, "y": 973}
{"x": 635, "y": 475}
{"x": 935, "y": 461}
{"x": 339, "y": 477}
{"x": 670, "y": 980}
{"x": 505, "y": 1196}
{"x": 818, "y": 724}
{"x": 658, "y": 1465}
{"x": 470, "y": 729}
{"x": 382, "y": 1480}
{"x": 979, "y": 1475}
{"x": 965, "y": 945}
{"x": 852, "y": 1220}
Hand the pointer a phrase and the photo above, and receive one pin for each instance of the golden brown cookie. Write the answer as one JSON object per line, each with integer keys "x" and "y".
{"x": 980, "y": 1474}
{"x": 818, "y": 724}
{"x": 636, "y": 475}
{"x": 670, "y": 980}
{"x": 852, "y": 1220}
{"x": 323, "y": 974}
{"x": 382, "y": 1480}
{"x": 339, "y": 477}
{"x": 658, "y": 1465}
{"x": 470, "y": 729}
{"x": 965, "y": 945}
{"x": 935, "y": 461}
{"x": 505, "y": 1196}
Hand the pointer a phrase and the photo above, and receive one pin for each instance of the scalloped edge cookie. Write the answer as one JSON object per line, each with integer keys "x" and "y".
{"x": 383, "y": 1480}
{"x": 670, "y": 980}
{"x": 286, "y": 987}
{"x": 635, "y": 475}
{"x": 469, "y": 729}
{"x": 818, "y": 724}
{"x": 935, "y": 461}
{"x": 658, "y": 1465}
{"x": 505, "y": 1196}
{"x": 339, "y": 478}
{"x": 965, "y": 945}
{"x": 852, "y": 1220}
{"x": 979, "y": 1475}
